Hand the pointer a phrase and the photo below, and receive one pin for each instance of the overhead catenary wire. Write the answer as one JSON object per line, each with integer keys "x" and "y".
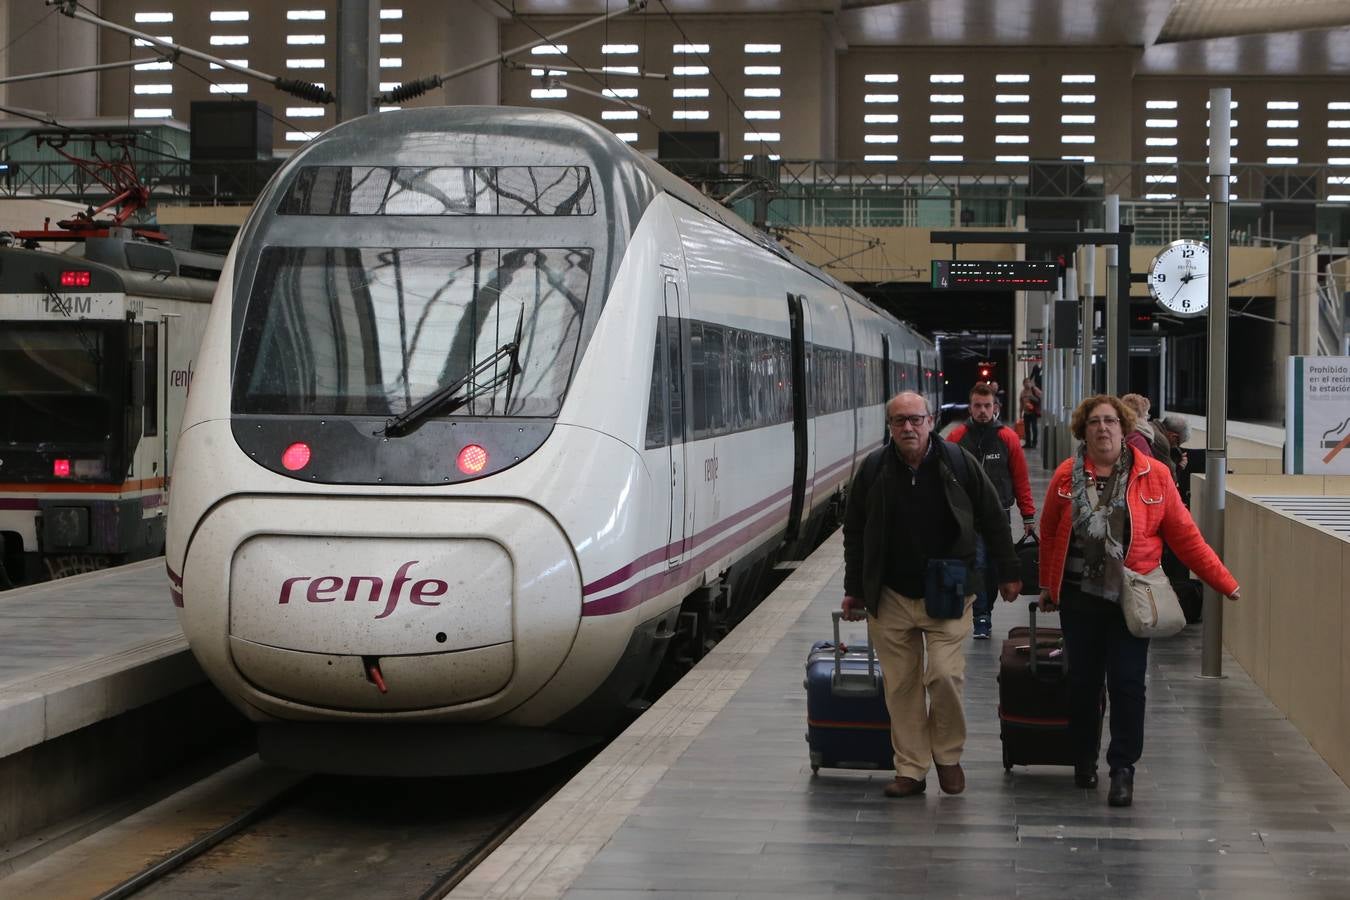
{"x": 305, "y": 90}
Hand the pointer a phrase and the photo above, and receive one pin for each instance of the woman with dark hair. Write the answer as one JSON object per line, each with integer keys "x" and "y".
{"x": 1108, "y": 509}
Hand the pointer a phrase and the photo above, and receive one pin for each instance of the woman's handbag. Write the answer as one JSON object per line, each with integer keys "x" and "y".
{"x": 1028, "y": 551}
{"x": 1150, "y": 605}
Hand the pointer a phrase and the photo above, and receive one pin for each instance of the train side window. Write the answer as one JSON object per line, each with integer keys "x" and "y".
{"x": 743, "y": 384}
{"x": 136, "y": 371}
{"x": 150, "y": 360}
{"x": 714, "y": 362}
{"x": 656, "y": 400}
{"x": 698, "y": 367}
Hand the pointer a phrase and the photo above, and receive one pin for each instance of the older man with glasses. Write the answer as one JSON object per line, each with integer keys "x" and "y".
{"x": 917, "y": 502}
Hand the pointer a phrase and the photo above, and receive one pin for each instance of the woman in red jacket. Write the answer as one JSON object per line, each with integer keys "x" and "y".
{"x": 1107, "y": 509}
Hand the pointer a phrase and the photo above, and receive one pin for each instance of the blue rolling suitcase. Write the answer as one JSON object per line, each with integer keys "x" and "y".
{"x": 847, "y": 726}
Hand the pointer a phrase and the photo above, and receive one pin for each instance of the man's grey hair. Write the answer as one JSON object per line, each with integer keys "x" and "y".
{"x": 1178, "y": 426}
{"x": 926, "y": 407}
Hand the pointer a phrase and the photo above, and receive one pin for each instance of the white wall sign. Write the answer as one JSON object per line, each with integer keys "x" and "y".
{"x": 1317, "y": 417}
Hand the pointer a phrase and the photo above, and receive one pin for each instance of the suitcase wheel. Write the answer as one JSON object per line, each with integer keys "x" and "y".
{"x": 1007, "y": 763}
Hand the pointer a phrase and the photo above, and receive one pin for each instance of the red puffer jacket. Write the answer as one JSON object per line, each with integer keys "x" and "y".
{"x": 1156, "y": 515}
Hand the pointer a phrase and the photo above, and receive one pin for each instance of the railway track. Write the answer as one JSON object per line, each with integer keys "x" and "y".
{"x": 319, "y": 836}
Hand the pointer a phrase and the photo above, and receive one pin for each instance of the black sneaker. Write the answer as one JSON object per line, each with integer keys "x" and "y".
{"x": 983, "y": 628}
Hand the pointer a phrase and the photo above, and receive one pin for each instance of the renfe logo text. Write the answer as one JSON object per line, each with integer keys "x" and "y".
{"x": 327, "y": 588}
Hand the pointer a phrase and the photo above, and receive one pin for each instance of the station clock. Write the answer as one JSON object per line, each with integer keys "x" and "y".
{"x": 1177, "y": 278}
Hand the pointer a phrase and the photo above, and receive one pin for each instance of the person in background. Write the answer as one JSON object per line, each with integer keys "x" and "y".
{"x": 907, "y": 505}
{"x": 1029, "y": 403}
{"x": 1158, "y": 447}
{"x": 1177, "y": 431}
{"x": 1107, "y": 509}
{"x": 996, "y": 446}
{"x": 1138, "y": 439}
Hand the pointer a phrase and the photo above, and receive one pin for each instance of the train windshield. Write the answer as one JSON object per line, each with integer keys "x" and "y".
{"x": 371, "y": 331}
{"x": 53, "y": 383}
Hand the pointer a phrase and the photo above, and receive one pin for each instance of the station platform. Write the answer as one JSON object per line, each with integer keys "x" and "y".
{"x": 83, "y": 649}
{"x": 710, "y": 794}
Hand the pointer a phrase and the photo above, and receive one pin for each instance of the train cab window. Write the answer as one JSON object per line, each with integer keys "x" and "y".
{"x": 150, "y": 397}
{"x": 656, "y": 398}
{"x": 371, "y": 331}
{"x": 440, "y": 191}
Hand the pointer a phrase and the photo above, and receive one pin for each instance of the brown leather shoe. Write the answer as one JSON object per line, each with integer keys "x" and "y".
{"x": 904, "y": 787}
{"x": 952, "y": 779}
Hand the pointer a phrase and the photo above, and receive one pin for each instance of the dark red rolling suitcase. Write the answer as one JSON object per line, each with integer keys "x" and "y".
{"x": 1033, "y": 698}
{"x": 847, "y": 725}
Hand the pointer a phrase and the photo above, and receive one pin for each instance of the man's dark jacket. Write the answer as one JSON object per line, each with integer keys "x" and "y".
{"x": 871, "y": 510}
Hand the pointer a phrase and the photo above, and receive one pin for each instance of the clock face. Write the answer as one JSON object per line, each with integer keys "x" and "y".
{"x": 1178, "y": 277}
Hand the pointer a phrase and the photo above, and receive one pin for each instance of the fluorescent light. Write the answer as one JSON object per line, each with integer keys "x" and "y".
{"x": 304, "y": 112}
{"x": 1281, "y": 104}
{"x": 1281, "y": 142}
{"x": 1012, "y": 119}
{"x": 549, "y": 50}
{"x": 1012, "y": 139}
{"x": 1161, "y": 160}
{"x": 391, "y": 38}
{"x": 153, "y": 89}
{"x": 153, "y": 18}
{"x": 391, "y": 14}
{"x": 1078, "y": 98}
{"x": 304, "y": 63}
{"x": 1160, "y": 142}
{"x": 391, "y": 62}
{"x": 1078, "y": 79}
{"x": 620, "y": 92}
{"x": 688, "y": 114}
{"x": 611, "y": 114}
{"x": 1012, "y": 79}
{"x": 690, "y": 70}
{"x": 764, "y": 93}
{"x": 881, "y": 157}
{"x": 1160, "y": 179}
{"x": 881, "y": 98}
{"x": 390, "y": 85}
{"x": 152, "y": 112}
{"x": 156, "y": 66}
{"x": 765, "y": 136}
{"x": 628, "y": 137}
{"x": 301, "y": 135}
{"x": 228, "y": 40}
{"x": 1160, "y": 196}
{"x": 1077, "y": 139}
{"x": 619, "y": 49}
{"x": 306, "y": 15}
{"x": 881, "y": 138}
{"x": 1161, "y": 104}
{"x": 620, "y": 70}
{"x": 548, "y": 93}
{"x": 881, "y": 118}
{"x": 763, "y": 70}
{"x": 1160, "y": 123}
{"x": 945, "y": 157}
{"x": 763, "y": 114}
{"x": 1287, "y": 123}
{"x": 1338, "y": 123}
{"x": 1281, "y": 160}
{"x": 687, "y": 93}
{"x": 304, "y": 39}
{"x": 1012, "y": 98}
{"x": 1338, "y": 104}
{"x": 1077, "y": 120}
{"x": 690, "y": 48}
{"x": 227, "y": 16}
{"x": 947, "y": 138}
{"x": 946, "y": 79}
{"x": 763, "y": 48}
{"x": 236, "y": 87}
{"x": 1014, "y": 159}
{"x": 946, "y": 98}
{"x": 881, "y": 78}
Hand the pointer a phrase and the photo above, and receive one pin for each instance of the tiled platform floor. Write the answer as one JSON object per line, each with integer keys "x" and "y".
{"x": 710, "y": 795}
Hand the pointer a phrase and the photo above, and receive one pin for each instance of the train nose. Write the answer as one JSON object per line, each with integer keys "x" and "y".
{"x": 413, "y": 606}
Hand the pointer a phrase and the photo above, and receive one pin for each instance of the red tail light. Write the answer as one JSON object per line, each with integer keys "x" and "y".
{"x": 61, "y": 468}
{"x": 295, "y": 457}
{"x": 472, "y": 459}
{"x": 75, "y": 278}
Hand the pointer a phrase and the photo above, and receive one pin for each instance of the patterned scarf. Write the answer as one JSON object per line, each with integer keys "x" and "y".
{"x": 1100, "y": 526}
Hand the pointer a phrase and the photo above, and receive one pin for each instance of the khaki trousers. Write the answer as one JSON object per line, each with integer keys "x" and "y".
{"x": 928, "y": 723}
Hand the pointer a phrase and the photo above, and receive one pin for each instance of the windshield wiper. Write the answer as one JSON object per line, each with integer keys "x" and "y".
{"x": 449, "y": 398}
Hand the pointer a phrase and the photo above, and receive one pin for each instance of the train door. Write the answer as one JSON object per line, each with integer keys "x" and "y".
{"x": 887, "y": 385}
{"x": 800, "y": 413}
{"x": 672, "y": 352}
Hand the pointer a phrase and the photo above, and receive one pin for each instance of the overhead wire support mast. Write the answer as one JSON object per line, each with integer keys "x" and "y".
{"x": 305, "y": 90}
{"x": 413, "y": 89}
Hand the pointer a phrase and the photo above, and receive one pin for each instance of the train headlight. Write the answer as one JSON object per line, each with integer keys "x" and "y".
{"x": 295, "y": 457}
{"x": 472, "y": 459}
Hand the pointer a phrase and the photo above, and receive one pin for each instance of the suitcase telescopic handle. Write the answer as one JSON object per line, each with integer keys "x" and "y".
{"x": 835, "y": 616}
{"x": 1031, "y": 607}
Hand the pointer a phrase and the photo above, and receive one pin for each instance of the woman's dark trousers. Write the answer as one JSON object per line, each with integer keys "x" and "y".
{"x": 1100, "y": 647}
{"x": 1030, "y": 426}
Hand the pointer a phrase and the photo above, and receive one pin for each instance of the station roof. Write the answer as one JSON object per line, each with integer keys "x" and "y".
{"x": 1177, "y": 37}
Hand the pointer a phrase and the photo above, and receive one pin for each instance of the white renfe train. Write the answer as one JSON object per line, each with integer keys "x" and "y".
{"x": 491, "y": 414}
{"x": 97, "y": 347}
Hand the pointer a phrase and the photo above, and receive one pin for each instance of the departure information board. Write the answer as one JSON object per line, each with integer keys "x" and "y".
{"x": 991, "y": 275}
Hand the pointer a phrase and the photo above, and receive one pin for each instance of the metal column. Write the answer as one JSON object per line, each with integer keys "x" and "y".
{"x": 1114, "y": 299}
{"x": 1086, "y": 318}
{"x": 358, "y": 63}
{"x": 1216, "y": 410}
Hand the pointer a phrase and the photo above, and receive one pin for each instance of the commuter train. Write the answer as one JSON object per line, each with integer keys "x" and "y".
{"x": 492, "y": 414}
{"x": 97, "y": 348}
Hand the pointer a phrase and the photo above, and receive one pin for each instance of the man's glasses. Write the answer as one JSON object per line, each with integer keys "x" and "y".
{"x": 897, "y": 421}
{"x": 1103, "y": 422}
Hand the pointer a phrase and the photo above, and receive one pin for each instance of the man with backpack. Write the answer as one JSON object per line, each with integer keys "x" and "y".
{"x": 999, "y": 452}
{"x": 915, "y": 510}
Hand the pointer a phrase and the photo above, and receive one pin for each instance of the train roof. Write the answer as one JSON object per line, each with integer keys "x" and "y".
{"x": 23, "y": 271}
{"x": 425, "y": 136}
